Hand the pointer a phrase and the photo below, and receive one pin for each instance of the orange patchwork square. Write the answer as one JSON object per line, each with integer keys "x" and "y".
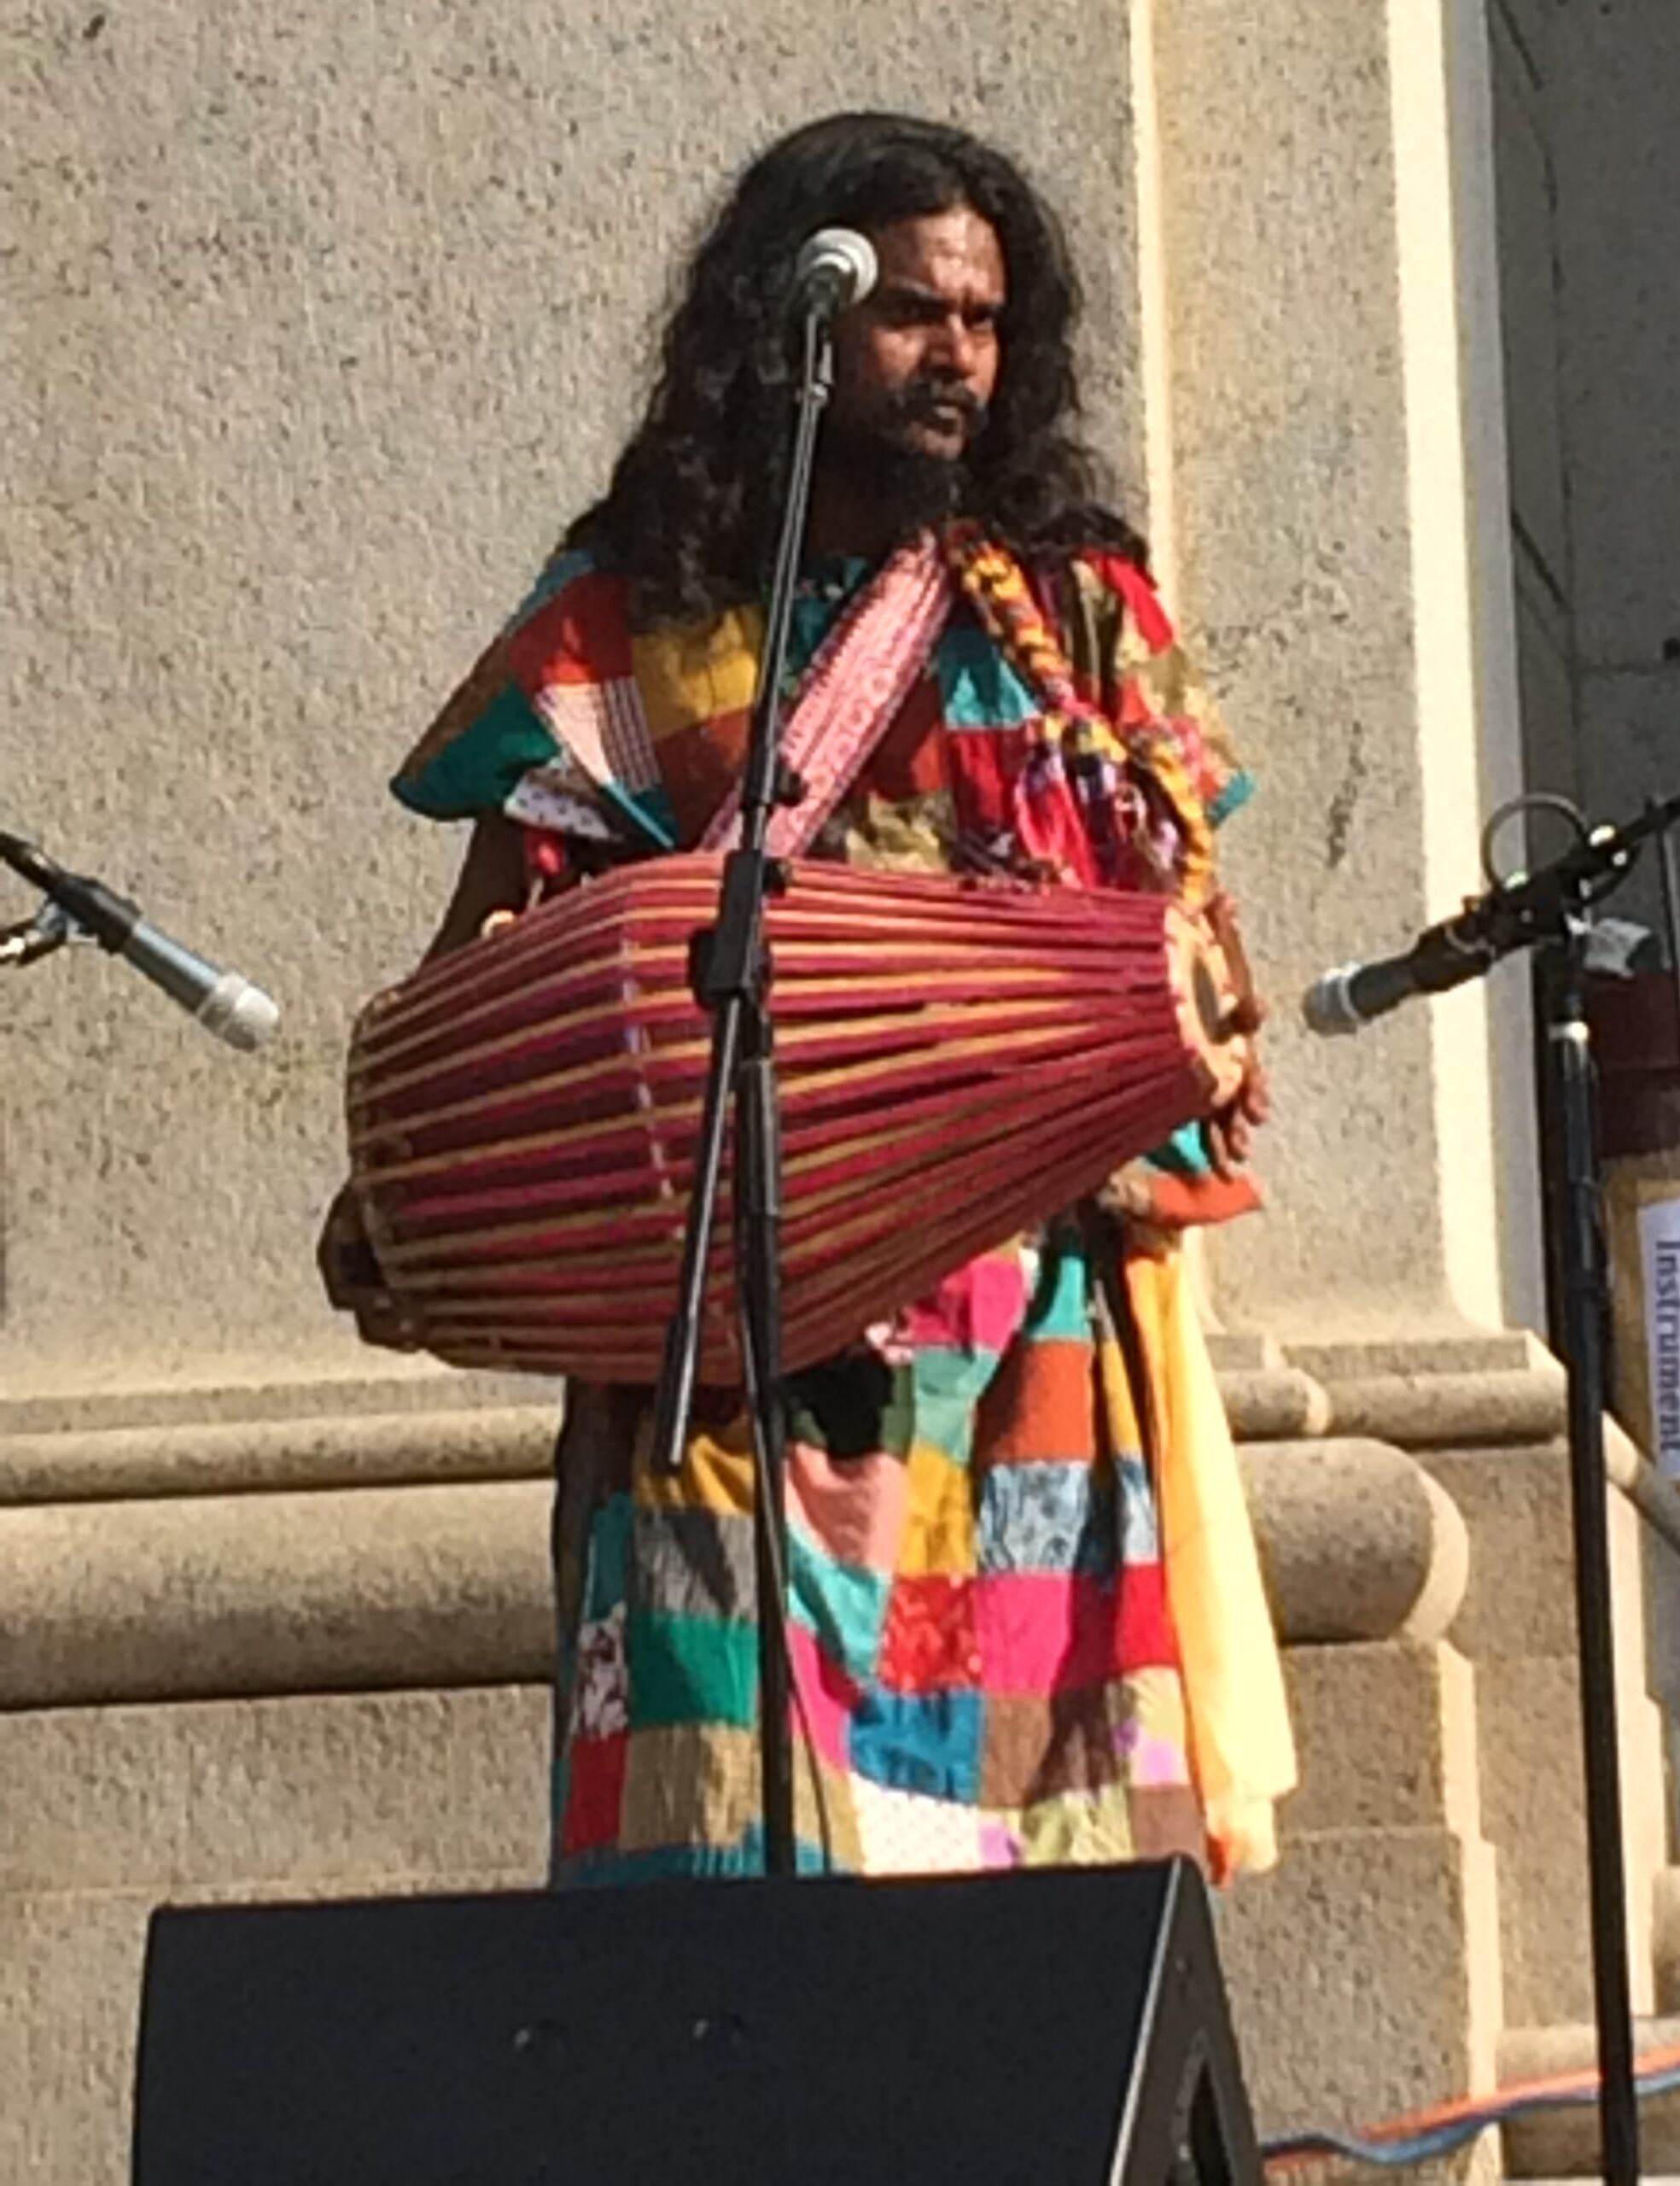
{"x": 1040, "y": 1408}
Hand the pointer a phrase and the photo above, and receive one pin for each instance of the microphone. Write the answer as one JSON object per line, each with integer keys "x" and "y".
{"x": 836, "y": 266}
{"x": 222, "y": 1003}
{"x": 1519, "y": 910}
{"x": 1443, "y": 957}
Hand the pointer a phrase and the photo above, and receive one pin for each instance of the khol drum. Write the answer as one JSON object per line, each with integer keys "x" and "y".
{"x": 957, "y": 1061}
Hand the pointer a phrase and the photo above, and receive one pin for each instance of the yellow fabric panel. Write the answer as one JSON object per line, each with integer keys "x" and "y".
{"x": 1123, "y": 1429}
{"x": 1157, "y": 1711}
{"x": 845, "y": 1842}
{"x": 1242, "y": 1751}
{"x": 716, "y": 1476}
{"x": 914, "y": 836}
{"x": 693, "y": 673}
{"x": 939, "y": 1524}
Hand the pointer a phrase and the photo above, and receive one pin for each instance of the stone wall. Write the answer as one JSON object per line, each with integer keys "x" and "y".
{"x": 1525, "y": 40}
{"x": 1588, "y": 174}
{"x": 319, "y": 326}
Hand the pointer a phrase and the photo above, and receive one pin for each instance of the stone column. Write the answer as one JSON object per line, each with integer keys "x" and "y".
{"x": 1327, "y": 431}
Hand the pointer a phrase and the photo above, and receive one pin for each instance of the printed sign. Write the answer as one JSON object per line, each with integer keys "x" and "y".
{"x": 1660, "y": 1256}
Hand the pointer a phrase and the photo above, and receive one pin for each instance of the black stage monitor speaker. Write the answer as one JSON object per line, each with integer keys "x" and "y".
{"x": 1062, "y": 2026}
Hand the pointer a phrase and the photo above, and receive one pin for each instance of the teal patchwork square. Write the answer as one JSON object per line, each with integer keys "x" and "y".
{"x": 691, "y": 1669}
{"x": 1059, "y": 1307}
{"x": 607, "y": 1581}
{"x": 844, "y": 1604}
{"x": 977, "y": 687}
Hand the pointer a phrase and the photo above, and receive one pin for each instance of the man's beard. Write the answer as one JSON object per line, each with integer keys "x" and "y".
{"x": 913, "y": 488}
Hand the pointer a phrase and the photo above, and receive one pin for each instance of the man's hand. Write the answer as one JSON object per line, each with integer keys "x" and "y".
{"x": 352, "y": 1277}
{"x": 491, "y": 886}
{"x": 1227, "y": 1136}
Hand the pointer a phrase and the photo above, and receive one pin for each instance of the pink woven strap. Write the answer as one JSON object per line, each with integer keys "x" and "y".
{"x": 852, "y": 695}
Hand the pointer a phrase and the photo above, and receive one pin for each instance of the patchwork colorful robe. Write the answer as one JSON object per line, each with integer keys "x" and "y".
{"x": 1027, "y": 1623}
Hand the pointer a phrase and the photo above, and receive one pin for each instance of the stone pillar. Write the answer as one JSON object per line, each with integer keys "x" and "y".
{"x": 1327, "y": 431}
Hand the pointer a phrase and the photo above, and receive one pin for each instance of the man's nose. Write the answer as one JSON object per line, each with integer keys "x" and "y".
{"x": 953, "y": 348}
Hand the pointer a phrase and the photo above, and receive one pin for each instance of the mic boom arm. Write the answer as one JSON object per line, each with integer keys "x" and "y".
{"x": 1515, "y": 914}
{"x": 227, "y": 1006}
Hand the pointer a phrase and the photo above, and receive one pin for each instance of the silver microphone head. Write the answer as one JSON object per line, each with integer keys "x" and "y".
{"x": 238, "y": 1013}
{"x": 1328, "y": 1003}
{"x": 838, "y": 262}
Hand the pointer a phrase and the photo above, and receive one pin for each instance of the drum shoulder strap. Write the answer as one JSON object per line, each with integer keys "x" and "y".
{"x": 853, "y": 692}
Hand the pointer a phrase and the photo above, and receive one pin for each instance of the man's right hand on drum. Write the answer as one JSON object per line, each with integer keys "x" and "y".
{"x": 352, "y": 1279}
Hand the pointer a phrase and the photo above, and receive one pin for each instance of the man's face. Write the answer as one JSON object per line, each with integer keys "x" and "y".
{"x": 916, "y": 363}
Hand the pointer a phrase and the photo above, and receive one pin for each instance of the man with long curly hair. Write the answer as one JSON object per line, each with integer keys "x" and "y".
{"x": 1026, "y": 1622}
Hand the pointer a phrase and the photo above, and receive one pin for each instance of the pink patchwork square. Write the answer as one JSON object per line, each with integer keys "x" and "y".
{"x": 829, "y": 1696}
{"x": 979, "y": 1308}
{"x": 1042, "y": 1632}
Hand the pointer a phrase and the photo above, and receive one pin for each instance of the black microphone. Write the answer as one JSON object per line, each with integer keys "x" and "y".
{"x": 226, "y": 1004}
{"x": 836, "y": 266}
{"x": 1443, "y": 957}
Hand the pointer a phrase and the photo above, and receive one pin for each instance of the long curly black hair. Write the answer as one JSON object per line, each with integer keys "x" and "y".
{"x": 690, "y": 516}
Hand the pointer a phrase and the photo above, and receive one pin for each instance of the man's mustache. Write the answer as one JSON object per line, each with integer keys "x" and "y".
{"x": 918, "y": 403}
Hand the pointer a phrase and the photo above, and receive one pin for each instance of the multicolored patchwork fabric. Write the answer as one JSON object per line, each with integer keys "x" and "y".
{"x": 981, "y": 1633}
{"x": 986, "y": 1639}
{"x": 570, "y": 722}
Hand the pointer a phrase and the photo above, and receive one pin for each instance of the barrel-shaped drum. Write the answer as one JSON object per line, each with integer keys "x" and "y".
{"x": 956, "y": 1061}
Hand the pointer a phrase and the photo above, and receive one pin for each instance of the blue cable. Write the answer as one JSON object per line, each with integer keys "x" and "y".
{"x": 1436, "y": 2140}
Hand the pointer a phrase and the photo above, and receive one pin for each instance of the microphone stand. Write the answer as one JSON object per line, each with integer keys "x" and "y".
{"x": 1576, "y": 1196}
{"x": 729, "y": 969}
{"x": 1552, "y": 908}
